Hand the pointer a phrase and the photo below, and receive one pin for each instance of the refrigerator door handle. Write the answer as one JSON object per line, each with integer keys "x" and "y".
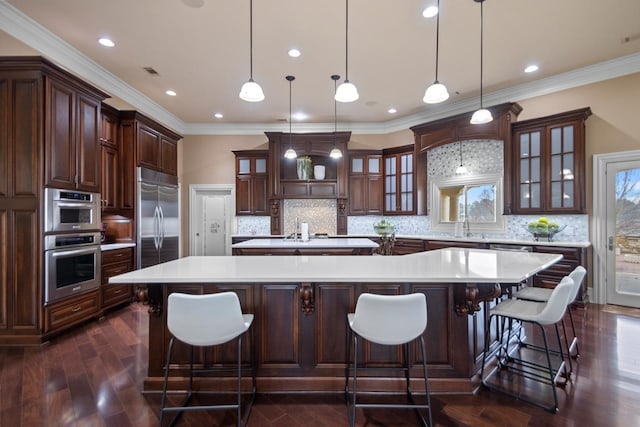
{"x": 161, "y": 230}
{"x": 156, "y": 228}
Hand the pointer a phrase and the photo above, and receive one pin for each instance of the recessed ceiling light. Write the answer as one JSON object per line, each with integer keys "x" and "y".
{"x": 171, "y": 92}
{"x": 218, "y": 115}
{"x": 294, "y": 53}
{"x": 106, "y": 42}
{"x": 299, "y": 116}
{"x": 430, "y": 12}
{"x": 531, "y": 68}
{"x": 392, "y": 111}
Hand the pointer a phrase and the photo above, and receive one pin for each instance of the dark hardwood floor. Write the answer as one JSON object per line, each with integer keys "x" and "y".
{"x": 92, "y": 376}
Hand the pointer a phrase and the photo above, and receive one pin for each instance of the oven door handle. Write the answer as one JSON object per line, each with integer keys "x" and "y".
{"x": 74, "y": 204}
{"x": 74, "y": 252}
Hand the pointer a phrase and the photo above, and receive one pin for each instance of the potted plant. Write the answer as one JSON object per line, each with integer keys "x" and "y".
{"x": 304, "y": 167}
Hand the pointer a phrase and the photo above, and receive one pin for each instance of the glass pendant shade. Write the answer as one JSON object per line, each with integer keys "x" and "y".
{"x": 461, "y": 170}
{"x": 335, "y": 153}
{"x": 251, "y": 92}
{"x": 435, "y": 93}
{"x": 481, "y": 116}
{"x": 290, "y": 153}
{"x": 347, "y": 92}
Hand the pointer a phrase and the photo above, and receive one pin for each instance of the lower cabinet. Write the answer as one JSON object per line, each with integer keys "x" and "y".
{"x": 114, "y": 262}
{"x": 403, "y": 246}
{"x": 571, "y": 258}
{"x": 62, "y": 315}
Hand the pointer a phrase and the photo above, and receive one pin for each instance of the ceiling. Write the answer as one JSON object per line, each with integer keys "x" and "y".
{"x": 200, "y": 48}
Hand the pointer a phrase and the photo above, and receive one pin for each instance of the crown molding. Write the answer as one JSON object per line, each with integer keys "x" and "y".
{"x": 30, "y": 32}
{"x": 34, "y": 35}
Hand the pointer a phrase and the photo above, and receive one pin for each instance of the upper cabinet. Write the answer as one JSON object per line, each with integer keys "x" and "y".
{"x": 286, "y": 183}
{"x": 549, "y": 163}
{"x": 457, "y": 128}
{"x": 252, "y": 176}
{"x": 365, "y": 182}
{"x": 399, "y": 181}
{"x": 72, "y": 127}
{"x": 155, "y": 146}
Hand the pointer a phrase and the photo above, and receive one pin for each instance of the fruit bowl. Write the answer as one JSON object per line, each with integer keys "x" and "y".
{"x": 541, "y": 233}
{"x": 384, "y": 227}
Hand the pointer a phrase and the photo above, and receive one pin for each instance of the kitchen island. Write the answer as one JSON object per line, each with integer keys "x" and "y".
{"x": 300, "y": 305}
{"x": 315, "y": 246}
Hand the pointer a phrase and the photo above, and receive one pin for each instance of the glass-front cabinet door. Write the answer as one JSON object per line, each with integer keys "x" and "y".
{"x": 550, "y": 164}
{"x": 399, "y": 182}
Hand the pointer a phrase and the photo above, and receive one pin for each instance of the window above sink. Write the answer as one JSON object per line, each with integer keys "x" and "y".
{"x": 476, "y": 199}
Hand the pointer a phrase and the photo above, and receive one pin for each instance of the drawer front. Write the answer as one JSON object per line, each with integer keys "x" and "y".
{"x": 117, "y": 255}
{"x": 72, "y": 311}
{"x": 322, "y": 189}
{"x": 115, "y": 294}
{"x": 438, "y": 244}
{"x": 407, "y": 246}
{"x": 560, "y": 269}
{"x": 568, "y": 254}
{"x": 114, "y": 269}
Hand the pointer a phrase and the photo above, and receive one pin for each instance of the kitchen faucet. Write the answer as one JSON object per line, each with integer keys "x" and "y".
{"x": 467, "y": 229}
{"x": 295, "y": 231}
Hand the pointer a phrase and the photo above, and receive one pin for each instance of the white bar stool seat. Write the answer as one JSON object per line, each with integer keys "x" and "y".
{"x": 388, "y": 320}
{"x": 207, "y": 320}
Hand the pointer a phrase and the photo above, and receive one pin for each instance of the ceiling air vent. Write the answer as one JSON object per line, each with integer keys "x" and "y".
{"x": 151, "y": 71}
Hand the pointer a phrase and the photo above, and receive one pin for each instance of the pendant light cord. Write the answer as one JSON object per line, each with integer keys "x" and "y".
{"x": 290, "y": 139}
{"x": 346, "y": 38}
{"x": 460, "y": 153}
{"x": 437, "y": 39}
{"x": 250, "y": 40}
{"x": 335, "y": 112}
{"x": 481, "y": 48}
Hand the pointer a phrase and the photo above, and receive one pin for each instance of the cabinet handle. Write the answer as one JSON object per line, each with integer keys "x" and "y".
{"x": 75, "y": 310}
{"x": 117, "y": 291}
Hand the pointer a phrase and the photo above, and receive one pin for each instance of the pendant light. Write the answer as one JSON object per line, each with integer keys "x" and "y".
{"x": 251, "y": 91}
{"x": 482, "y": 115}
{"x": 290, "y": 153}
{"x": 335, "y": 152}
{"x": 347, "y": 91}
{"x": 461, "y": 170}
{"x": 437, "y": 92}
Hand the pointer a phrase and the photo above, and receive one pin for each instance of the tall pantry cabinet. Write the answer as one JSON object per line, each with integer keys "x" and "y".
{"x": 48, "y": 136}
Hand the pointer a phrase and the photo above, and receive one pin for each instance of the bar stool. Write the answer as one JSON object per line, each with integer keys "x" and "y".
{"x": 207, "y": 320}
{"x": 388, "y": 320}
{"x": 542, "y": 295}
{"x": 537, "y": 313}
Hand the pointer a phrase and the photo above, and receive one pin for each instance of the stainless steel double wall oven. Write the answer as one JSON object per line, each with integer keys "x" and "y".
{"x": 71, "y": 243}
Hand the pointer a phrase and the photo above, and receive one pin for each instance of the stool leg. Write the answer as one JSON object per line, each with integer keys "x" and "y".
{"x": 566, "y": 343}
{"x": 553, "y": 409}
{"x": 166, "y": 379}
{"x": 346, "y": 370}
{"x": 239, "y": 381}
{"x": 407, "y": 374}
{"x": 575, "y": 337}
{"x": 426, "y": 380}
{"x": 352, "y": 420}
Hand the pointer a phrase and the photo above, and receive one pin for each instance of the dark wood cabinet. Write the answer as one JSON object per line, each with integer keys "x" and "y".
{"x": 284, "y": 183}
{"x": 549, "y": 164}
{"x": 155, "y": 146}
{"x": 399, "y": 180}
{"x": 365, "y": 182}
{"x": 404, "y": 246}
{"x": 72, "y": 148}
{"x": 48, "y": 136}
{"x": 114, "y": 262}
{"x": 431, "y": 245}
{"x": 71, "y": 311}
{"x": 110, "y": 178}
{"x": 457, "y": 128}
{"x": 571, "y": 258}
{"x": 252, "y": 176}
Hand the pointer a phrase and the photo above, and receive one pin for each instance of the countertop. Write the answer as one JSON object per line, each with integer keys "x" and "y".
{"x": 450, "y": 265}
{"x": 112, "y": 246}
{"x": 472, "y": 239}
{"x": 337, "y": 242}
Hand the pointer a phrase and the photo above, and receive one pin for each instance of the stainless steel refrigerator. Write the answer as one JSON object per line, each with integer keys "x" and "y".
{"x": 158, "y": 217}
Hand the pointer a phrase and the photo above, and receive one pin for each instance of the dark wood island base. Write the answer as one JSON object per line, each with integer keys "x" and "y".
{"x": 301, "y": 337}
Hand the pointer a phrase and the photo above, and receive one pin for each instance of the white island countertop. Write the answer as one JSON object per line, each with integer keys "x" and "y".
{"x": 451, "y": 265}
{"x": 333, "y": 243}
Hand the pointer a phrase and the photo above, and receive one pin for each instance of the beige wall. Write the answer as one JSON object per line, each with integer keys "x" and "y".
{"x": 614, "y": 126}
